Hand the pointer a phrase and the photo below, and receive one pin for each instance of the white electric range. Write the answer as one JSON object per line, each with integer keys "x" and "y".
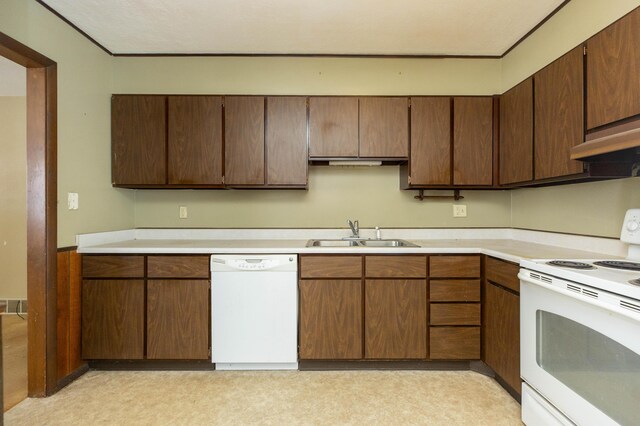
{"x": 579, "y": 337}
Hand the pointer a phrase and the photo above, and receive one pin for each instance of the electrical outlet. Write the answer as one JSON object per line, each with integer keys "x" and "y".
{"x": 72, "y": 200}
{"x": 183, "y": 212}
{"x": 459, "y": 210}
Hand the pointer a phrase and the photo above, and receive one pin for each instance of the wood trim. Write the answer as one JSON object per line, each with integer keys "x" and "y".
{"x": 302, "y": 55}
{"x": 72, "y": 25}
{"x": 41, "y": 213}
{"x": 541, "y": 23}
{"x": 307, "y": 55}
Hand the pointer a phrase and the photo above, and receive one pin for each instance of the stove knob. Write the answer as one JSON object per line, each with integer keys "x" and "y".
{"x": 632, "y": 225}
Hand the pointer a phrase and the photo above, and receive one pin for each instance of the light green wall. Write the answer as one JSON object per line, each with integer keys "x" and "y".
{"x": 85, "y": 83}
{"x": 87, "y": 77}
{"x": 573, "y": 24}
{"x": 595, "y": 208}
{"x": 586, "y": 208}
{"x": 13, "y": 197}
{"x": 306, "y": 76}
{"x": 369, "y": 194}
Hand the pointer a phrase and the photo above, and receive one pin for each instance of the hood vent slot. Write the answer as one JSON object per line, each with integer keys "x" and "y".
{"x": 615, "y": 139}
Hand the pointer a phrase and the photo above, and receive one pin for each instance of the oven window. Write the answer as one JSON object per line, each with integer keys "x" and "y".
{"x": 599, "y": 369}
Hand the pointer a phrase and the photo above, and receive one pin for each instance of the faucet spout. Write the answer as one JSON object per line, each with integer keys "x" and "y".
{"x": 355, "y": 229}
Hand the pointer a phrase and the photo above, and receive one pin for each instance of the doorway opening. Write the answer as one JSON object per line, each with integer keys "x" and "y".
{"x": 41, "y": 103}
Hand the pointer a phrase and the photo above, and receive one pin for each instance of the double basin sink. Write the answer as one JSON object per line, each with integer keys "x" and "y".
{"x": 360, "y": 243}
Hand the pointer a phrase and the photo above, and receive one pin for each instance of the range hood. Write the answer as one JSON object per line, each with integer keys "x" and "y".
{"x": 621, "y": 141}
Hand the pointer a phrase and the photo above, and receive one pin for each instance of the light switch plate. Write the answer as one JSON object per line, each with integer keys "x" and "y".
{"x": 459, "y": 210}
{"x": 72, "y": 200}
{"x": 183, "y": 212}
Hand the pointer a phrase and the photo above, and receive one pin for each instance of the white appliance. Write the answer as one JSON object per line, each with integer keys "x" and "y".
{"x": 580, "y": 338}
{"x": 254, "y": 312}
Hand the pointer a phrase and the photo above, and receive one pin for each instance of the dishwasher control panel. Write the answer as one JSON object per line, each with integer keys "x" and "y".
{"x": 253, "y": 263}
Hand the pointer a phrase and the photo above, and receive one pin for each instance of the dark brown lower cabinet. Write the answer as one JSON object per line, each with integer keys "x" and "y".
{"x": 113, "y": 319}
{"x": 502, "y": 333}
{"x": 454, "y": 342}
{"x": 330, "y": 319}
{"x": 177, "y": 319}
{"x": 395, "y": 319}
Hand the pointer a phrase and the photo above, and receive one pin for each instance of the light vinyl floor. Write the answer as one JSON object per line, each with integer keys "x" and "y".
{"x": 14, "y": 359}
{"x": 273, "y": 398}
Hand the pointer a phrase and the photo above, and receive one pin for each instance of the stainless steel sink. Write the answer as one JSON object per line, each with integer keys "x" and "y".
{"x": 360, "y": 243}
{"x": 387, "y": 243}
{"x": 332, "y": 243}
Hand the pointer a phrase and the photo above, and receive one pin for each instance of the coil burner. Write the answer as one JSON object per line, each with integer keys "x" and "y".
{"x": 570, "y": 264}
{"x": 619, "y": 264}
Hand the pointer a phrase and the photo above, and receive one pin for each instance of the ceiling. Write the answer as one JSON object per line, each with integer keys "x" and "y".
{"x": 304, "y": 27}
{"x": 13, "y": 78}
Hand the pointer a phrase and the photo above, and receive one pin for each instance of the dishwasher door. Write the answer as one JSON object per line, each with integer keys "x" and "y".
{"x": 254, "y": 312}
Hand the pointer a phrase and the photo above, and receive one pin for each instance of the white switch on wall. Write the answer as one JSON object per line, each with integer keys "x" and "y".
{"x": 72, "y": 200}
{"x": 459, "y": 210}
{"x": 183, "y": 212}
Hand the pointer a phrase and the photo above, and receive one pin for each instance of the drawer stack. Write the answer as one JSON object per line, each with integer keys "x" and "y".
{"x": 454, "y": 307}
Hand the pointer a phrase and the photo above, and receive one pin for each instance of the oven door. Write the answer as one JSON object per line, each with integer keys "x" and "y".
{"x": 580, "y": 354}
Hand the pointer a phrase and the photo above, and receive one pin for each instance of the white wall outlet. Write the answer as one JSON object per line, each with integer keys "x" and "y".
{"x": 72, "y": 200}
{"x": 459, "y": 210}
{"x": 183, "y": 212}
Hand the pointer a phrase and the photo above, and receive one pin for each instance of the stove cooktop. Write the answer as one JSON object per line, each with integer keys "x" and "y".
{"x": 603, "y": 274}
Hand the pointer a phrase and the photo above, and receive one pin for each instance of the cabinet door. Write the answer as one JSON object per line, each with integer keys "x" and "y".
{"x": 516, "y": 134}
{"x": 430, "y": 141}
{"x": 395, "y": 319}
{"x": 613, "y": 67}
{"x": 244, "y": 140}
{"x": 178, "y": 319}
{"x": 112, "y": 319}
{"x": 195, "y": 140}
{"x": 333, "y": 127}
{"x": 502, "y": 333}
{"x": 330, "y": 319}
{"x": 286, "y": 140}
{"x": 559, "y": 116}
{"x": 472, "y": 140}
{"x": 138, "y": 140}
{"x": 384, "y": 127}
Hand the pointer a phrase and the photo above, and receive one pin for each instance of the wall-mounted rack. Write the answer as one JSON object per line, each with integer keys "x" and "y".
{"x": 456, "y": 196}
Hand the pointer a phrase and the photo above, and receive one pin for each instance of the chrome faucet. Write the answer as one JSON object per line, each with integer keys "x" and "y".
{"x": 354, "y": 228}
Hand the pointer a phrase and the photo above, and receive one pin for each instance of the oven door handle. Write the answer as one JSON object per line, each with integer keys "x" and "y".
{"x": 595, "y": 302}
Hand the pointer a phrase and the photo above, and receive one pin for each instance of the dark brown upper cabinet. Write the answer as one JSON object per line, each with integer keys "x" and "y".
{"x": 138, "y": 140}
{"x": 384, "y": 127}
{"x": 613, "y": 72}
{"x": 430, "y": 162}
{"x": 286, "y": 141}
{"x": 195, "y": 140}
{"x": 244, "y": 140}
{"x": 516, "y": 134}
{"x": 333, "y": 127}
{"x": 472, "y": 141}
{"x": 559, "y": 120}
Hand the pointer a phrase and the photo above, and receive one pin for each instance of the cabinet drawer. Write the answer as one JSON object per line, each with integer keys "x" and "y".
{"x": 503, "y": 273}
{"x": 396, "y": 266}
{"x": 454, "y": 266}
{"x": 178, "y": 266}
{"x": 455, "y": 314}
{"x": 454, "y": 342}
{"x": 454, "y": 290}
{"x": 331, "y": 266}
{"x": 113, "y": 266}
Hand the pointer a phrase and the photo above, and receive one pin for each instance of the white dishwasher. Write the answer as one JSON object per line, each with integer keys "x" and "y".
{"x": 254, "y": 312}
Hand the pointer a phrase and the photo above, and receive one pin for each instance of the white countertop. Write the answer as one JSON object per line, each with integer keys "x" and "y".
{"x": 511, "y": 245}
